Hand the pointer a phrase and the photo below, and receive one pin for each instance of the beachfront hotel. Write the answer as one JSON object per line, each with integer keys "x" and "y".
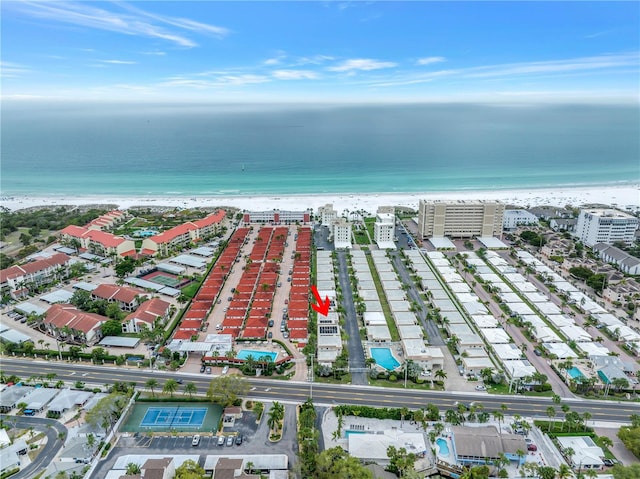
{"x": 606, "y": 226}
{"x": 460, "y": 219}
{"x": 184, "y": 234}
{"x": 514, "y": 218}
{"x": 278, "y": 216}
{"x": 341, "y": 230}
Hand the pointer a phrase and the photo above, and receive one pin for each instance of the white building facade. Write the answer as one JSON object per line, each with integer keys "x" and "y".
{"x": 341, "y": 233}
{"x": 327, "y": 214}
{"x": 383, "y": 230}
{"x": 514, "y": 218}
{"x": 606, "y": 226}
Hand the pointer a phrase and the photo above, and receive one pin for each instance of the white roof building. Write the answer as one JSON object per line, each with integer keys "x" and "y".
{"x": 561, "y": 350}
{"x": 495, "y": 335}
{"x": 606, "y": 226}
{"x": 519, "y": 368}
{"x": 586, "y": 454}
{"x": 373, "y": 447}
{"x": 507, "y": 352}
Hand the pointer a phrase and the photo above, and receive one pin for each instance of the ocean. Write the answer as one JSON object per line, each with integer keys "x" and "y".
{"x": 208, "y": 150}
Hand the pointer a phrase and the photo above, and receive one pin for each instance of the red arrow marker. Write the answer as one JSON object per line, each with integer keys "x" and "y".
{"x": 322, "y": 308}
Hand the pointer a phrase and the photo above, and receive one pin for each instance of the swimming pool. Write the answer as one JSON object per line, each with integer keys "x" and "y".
{"x": 245, "y": 353}
{"x": 384, "y": 358}
{"x": 575, "y": 373}
{"x": 442, "y": 446}
{"x": 348, "y": 432}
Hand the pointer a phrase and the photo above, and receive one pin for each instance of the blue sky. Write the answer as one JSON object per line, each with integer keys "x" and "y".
{"x": 321, "y": 51}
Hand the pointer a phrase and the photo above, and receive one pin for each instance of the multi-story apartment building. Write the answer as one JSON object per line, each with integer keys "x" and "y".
{"x": 107, "y": 220}
{"x": 327, "y": 214}
{"x": 97, "y": 241}
{"x": 65, "y": 321}
{"x": 460, "y": 219}
{"x": 147, "y": 315}
{"x": 126, "y": 298}
{"x": 606, "y": 226}
{"x": 514, "y": 218}
{"x": 341, "y": 233}
{"x": 278, "y": 216}
{"x": 625, "y": 262}
{"x": 384, "y": 230}
{"x": 18, "y": 280}
{"x": 184, "y": 234}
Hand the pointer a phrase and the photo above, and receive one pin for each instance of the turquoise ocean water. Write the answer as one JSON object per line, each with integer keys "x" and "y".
{"x": 193, "y": 150}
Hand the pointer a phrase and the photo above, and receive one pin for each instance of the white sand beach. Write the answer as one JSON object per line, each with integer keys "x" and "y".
{"x": 623, "y": 196}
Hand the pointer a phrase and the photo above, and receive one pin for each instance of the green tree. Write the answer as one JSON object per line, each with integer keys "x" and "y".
{"x": 107, "y": 411}
{"x": 564, "y": 472}
{"x": 189, "y": 470}
{"x": 190, "y": 389}
{"x": 626, "y": 472}
{"x": 113, "y": 311}
{"x": 152, "y": 383}
{"x": 630, "y": 437}
{"x": 113, "y": 327}
{"x": 170, "y": 386}
{"x": 224, "y": 390}
{"x": 336, "y": 463}
{"x": 400, "y": 462}
{"x": 546, "y": 472}
{"x": 124, "y": 267}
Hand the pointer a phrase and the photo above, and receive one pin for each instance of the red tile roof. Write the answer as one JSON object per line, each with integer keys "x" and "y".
{"x": 32, "y": 267}
{"x": 171, "y": 234}
{"x": 61, "y": 315}
{"x": 123, "y": 294}
{"x": 150, "y": 310}
{"x": 98, "y": 236}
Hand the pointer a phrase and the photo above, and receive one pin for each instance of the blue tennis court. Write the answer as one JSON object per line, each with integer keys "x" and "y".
{"x": 174, "y": 417}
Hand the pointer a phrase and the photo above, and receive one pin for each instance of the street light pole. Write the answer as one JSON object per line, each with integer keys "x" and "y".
{"x": 311, "y": 378}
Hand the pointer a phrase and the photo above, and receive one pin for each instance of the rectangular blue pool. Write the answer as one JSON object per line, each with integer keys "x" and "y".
{"x": 575, "y": 373}
{"x": 256, "y": 354}
{"x": 384, "y": 358}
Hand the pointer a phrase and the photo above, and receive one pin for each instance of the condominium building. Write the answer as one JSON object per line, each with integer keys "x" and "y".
{"x": 97, "y": 241}
{"x": 384, "y": 230}
{"x": 18, "y": 280}
{"x": 606, "y": 226}
{"x": 184, "y": 234}
{"x": 460, "y": 219}
{"x": 278, "y": 216}
{"x": 327, "y": 214}
{"x": 341, "y": 233}
{"x": 514, "y": 218}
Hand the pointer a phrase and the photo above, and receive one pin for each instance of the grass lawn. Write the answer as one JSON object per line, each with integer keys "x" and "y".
{"x": 191, "y": 289}
{"x": 346, "y": 379}
{"x": 361, "y": 237}
{"x": 369, "y": 222}
{"x": 385, "y": 383}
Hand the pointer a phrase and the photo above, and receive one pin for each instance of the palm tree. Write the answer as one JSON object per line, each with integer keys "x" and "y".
{"x": 404, "y": 411}
{"x": 606, "y": 441}
{"x": 151, "y": 384}
{"x": 170, "y": 386}
{"x": 250, "y": 467}
{"x": 498, "y": 416}
{"x": 568, "y": 454}
{"x": 520, "y": 453}
{"x": 190, "y": 389}
{"x": 564, "y": 472}
{"x": 551, "y": 412}
{"x": 132, "y": 469}
{"x": 276, "y": 414}
{"x": 586, "y": 416}
{"x": 441, "y": 374}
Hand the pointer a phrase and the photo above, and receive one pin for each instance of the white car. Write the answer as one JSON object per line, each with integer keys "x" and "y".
{"x": 480, "y": 387}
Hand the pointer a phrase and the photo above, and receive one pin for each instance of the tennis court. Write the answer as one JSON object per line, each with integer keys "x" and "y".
{"x": 165, "y": 279}
{"x": 172, "y": 416}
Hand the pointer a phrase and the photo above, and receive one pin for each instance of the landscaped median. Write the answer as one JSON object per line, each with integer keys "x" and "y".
{"x": 275, "y": 421}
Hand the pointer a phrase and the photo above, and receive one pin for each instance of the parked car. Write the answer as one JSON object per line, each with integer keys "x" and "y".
{"x": 239, "y": 439}
{"x": 225, "y": 370}
{"x": 532, "y": 447}
{"x": 285, "y": 335}
{"x": 202, "y": 368}
{"x": 537, "y": 352}
{"x": 480, "y": 387}
{"x": 196, "y": 440}
{"x": 270, "y": 335}
{"x": 230, "y": 441}
{"x": 208, "y": 370}
{"x": 221, "y": 440}
{"x": 271, "y": 323}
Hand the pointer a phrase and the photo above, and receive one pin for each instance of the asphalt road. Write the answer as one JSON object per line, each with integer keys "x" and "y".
{"x": 330, "y": 394}
{"x": 354, "y": 344}
{"x": 51, "y": 448}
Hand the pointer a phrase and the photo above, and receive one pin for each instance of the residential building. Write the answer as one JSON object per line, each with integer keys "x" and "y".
{"x": 127, "y": 298}
{"x": 484, "y": 444}
{"x": 341, "y": 233}
{"x": 108, "y": 220}
{"x": 97, "y": 241}
{"x": 278, "y": 216}
{"x": 18, "y": 280}
{"x": 623, "y": 292}
{"x": 625, "y": 262}
{"x": 586, "y": 453}
{"x": 606, "y": 226}
{"x": 184, "y": 234}
{"x": 329, "y": 339}
{"x": 550, "y": 212}
{"x": 327, "y": 214}
{"x": 460, "y": 219}
{"x": 66, "y": 322}
{"x": 384, "y": 229}
{"x": 146, "y": 316}
{"x": 563, "y": 224}
{"x": 514, "y": 218}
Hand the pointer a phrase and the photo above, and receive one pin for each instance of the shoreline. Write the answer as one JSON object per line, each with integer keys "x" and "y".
{"x": 621, "y": 195}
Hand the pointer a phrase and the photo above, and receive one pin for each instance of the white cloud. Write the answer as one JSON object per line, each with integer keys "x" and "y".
{"x": 363, "y": 64}
{"x": 12, "y": 70}
{"x": 156, "y": 53}
{"x": 312, "y": 60}
{"x": 119, "y": 62}
{"x": 135, "y": 23}
{"x": 429, "y": 60}
{"x": 294, "y": 75}
{"x": 276, "y": 59}
{"x": 217, "y": 81}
